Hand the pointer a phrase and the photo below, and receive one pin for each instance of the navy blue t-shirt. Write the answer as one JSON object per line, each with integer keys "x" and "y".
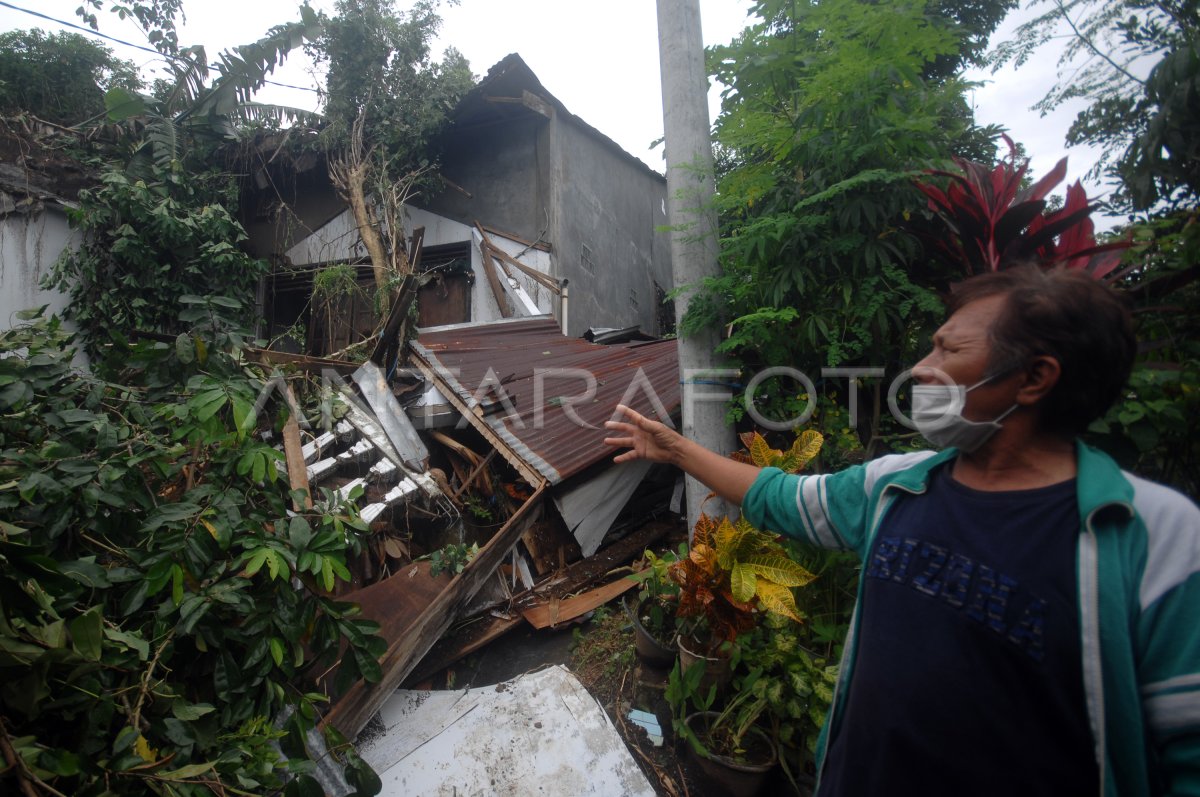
{"x": 968, "y": 677}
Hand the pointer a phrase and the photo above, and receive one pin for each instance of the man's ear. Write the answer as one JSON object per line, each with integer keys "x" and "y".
{"x": 1039, "y": 378}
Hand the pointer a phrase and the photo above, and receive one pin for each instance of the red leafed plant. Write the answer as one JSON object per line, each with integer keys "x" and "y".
{"x": 994, "y": 223}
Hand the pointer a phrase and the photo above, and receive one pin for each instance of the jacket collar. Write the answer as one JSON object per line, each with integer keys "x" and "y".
{"x": 916, "y": 478}
{"x": 1099, "y": 482}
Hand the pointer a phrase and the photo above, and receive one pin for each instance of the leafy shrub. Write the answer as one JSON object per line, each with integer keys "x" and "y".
{"x": 160, "y": 605}
{"x": 148, "y": 244}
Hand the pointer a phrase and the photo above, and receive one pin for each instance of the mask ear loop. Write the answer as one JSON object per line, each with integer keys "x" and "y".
{"x": 1006, "y": 413}
{"x": 994, "y": 376}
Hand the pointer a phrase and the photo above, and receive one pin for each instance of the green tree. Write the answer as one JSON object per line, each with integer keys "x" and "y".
{"x": 385, "y": 101}
{"x": 1137, "y": 65}
{"x": 827, "y": 118}
{"x": 147, "y": 244}
{"x": 61, "y": 77}
{"x": 155, "y": 18}
{"x": 162, "y": 221}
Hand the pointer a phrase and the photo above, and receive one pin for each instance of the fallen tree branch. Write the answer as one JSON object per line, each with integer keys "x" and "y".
{"x": 25, "y": 776}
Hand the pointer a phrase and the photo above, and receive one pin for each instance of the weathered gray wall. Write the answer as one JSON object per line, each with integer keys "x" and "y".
{"x": 288, "y": 209}
{"x": 612, "y": 206}
{"x": 499, "y": 165}
{"x": 30, "y": 243}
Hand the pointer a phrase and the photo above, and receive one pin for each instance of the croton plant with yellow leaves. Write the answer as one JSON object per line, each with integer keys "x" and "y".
{"x": 734, "y": 572}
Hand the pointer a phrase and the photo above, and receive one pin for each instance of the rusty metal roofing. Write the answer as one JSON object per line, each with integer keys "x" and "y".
{"x": 547, "y": 425}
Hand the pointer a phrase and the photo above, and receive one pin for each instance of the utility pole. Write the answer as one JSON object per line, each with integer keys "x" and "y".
{"x": 693, "y": 222}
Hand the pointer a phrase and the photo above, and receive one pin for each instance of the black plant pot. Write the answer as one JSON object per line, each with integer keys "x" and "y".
{"x": 649, "y": 649}
{"x": 737, "y": 778}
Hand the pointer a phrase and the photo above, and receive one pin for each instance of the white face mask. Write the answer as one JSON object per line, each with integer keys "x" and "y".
{"x": 937, "y": 414}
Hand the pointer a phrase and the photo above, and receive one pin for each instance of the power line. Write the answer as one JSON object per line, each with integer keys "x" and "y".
{"x": 91, "y": 32}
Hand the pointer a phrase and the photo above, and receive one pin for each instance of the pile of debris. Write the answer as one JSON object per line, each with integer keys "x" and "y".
{"x": 490, "y": 436}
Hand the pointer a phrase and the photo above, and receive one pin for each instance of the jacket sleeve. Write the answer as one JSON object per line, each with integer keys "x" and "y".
{"x": 828, "y": 510}
{"x": 1170, "y": 689}
{"x": 1168, "y": 642}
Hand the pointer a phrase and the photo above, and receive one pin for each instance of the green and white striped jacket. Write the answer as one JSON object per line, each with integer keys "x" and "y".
{"x": 1139, "y": 600}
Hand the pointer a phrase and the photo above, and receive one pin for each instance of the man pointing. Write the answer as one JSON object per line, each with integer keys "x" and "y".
{"x": 1028, "y": 617}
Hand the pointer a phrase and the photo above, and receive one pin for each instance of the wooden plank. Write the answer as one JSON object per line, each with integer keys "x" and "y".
{"x": 505, "y": 259}
{"x": 464, "y": 484}
{"x": 415, "y": 249}
{"x": 459, "y": 644}
{"x": 456, "y": 645}
{"x": 545, "y": 280}
{"x": 294, "y": 455}
{"x": 554, "y": 611}
{"x": 538, "y": 244}
{"x": 489, "y": 270}
{"x": 396, "y": 316}
{"x": 536, "y": 104}
{"x": 355, "y": 708}
{"x": 527, "y": 471}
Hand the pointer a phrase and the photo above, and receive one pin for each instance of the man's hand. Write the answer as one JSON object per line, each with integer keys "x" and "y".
{"x": 645, "y": 438}
{"x": 656, "y": 442}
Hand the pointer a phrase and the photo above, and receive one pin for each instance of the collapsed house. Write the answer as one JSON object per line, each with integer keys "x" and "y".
{"x": 539, "y": 210}
{"x": 530, "y": 406}
{"x": 539, "y": 280}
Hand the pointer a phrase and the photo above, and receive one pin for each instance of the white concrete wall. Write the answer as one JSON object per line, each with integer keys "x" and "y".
{"x": 30, "y": 243}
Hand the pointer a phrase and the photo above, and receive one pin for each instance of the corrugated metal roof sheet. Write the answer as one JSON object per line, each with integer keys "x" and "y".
{"x": 544, "y": 376}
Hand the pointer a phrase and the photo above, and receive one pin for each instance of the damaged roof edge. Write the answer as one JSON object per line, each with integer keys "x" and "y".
{"x": 513, "y": 61}
{"x": 557, "y": 391}
{"x": 517, "y": 453}
{"x": 474, "y": 324}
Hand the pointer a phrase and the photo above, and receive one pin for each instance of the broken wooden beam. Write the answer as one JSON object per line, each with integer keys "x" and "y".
{"x": 489, "y": 271}
{"x": 294, "y": 457}
{"x": 455, "y": 645}
{"x": 465, "y": 407}
{"x": 556, "y": 611}
{"x": 355, "y": 708}
{"x": 476, "y": 634}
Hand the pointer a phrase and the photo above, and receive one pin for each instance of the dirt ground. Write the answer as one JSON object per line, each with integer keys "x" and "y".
{"x": 604, "y": 661}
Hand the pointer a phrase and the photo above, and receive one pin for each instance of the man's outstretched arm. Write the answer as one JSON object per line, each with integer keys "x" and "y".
{"x": 656, "y": 442}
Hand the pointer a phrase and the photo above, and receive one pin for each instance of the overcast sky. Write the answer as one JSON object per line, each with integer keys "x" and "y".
{"x": 599, "y": 59}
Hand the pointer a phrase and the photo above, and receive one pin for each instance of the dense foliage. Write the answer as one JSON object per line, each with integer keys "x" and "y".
{"x": 148, "y": 244}
{"x": 380, "y": 66}
{"x": 162, "y": 221}
{"x": 61, "y": 77}
{"x": 164, "y": 601}
{"x": 830, "y": 112}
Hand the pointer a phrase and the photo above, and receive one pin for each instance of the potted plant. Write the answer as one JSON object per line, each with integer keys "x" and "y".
{"x": 731, "y": 576}
{"x": 789, "y": 694}
{"x": 734, "y": 573}
{"x": 728, "y": 745}
{"x": 736, "y": 581}
{"x": 653, "y": 614}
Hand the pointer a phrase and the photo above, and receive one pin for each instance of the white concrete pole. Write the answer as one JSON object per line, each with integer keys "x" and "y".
{"x": 693, "y": 223}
